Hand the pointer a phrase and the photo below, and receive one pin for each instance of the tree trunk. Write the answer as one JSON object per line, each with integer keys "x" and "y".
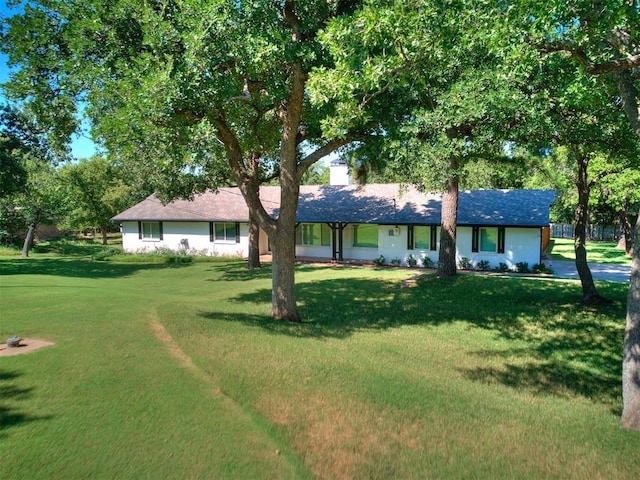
{"x": 629, "y": 97}
{"x": 589, "y": 292}
{"x": 253, "y": 261}
{"x": 631, "y": 349}
{"x": 449, "y": 220}
{"x": 103, "y": 231}
{"x": 28, "y": 240}
{"x": 283, "y": 293}
{"x": 626, "y": 237}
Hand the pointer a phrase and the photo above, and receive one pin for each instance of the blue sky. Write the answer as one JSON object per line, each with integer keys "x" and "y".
{"x": 81, "y": 147}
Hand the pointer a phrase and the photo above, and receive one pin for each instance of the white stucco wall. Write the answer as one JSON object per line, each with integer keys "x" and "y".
{"x": 521, "y": 244}
{"x": 196, "y": 235}
{"x": 357, "y": 253}
{"x": 395, "y": 247}
{"x": 317, "y": 251}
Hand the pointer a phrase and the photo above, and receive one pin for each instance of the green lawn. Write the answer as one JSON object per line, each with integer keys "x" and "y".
{"x": 177, "y": 371}
{"x": 597, "y": 252}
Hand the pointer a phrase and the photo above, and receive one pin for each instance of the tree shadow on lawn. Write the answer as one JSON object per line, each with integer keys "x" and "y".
{"x": 77, "y": 267}
{"x": 237, "y": 272}
{"x": 9, "y": 391}
{"x": 571, "y": 349}
{"x": 609, "y": 253}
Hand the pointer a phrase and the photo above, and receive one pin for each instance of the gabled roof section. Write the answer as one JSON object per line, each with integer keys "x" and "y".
{"x": 374, "y": 203}
{"x": 224, "y": 205}
{"x": 509, "y": 208}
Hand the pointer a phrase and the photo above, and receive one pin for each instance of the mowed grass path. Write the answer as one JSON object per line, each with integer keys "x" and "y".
{"x": 178, "y": 372}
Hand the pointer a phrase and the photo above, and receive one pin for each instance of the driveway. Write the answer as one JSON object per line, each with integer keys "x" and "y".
{"x": 600, "y": 271}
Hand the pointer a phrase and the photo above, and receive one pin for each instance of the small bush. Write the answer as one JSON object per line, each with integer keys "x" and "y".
{"x": 380, "y": 261}
{"x": 541, "y": 268}
{"x": 523, "y": 267}
{"x": 412, "y": 261}
{"x": 484, "y": 265}
{"x": 396, "y": 262}
{"x": 502, "y": 267}
{"x": 427, "y": 262}
{"x": 106, "y": 254}
{"x": 465, "y": 263}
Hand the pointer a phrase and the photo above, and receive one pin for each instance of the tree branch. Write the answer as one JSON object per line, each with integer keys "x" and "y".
{"x": 292, "y": 19}
{"x": 630, "y": 62}
{"x": 248, "y": 183}
{"x": 629, "y": 97}
{"x": 329, "y": 147}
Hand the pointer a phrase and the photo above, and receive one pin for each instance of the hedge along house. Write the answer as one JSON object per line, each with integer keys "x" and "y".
{"x": 351, "y": 222}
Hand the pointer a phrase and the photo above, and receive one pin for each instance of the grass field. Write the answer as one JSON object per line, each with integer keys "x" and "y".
{"x": 177, "y": 371}
{"x": 597, "y": 252}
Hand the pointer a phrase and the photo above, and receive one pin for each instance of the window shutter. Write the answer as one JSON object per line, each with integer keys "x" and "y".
{"x": 139, "y": 230}
{"x": 409, "y": 237}
{"x": 237, "y": 232}
{"x": 433, "y": 240}
{"x": 501, "y": 235}
{"x": 160, "y": 230}
{"x": 475, "y": 237}
{"x": 211, "y": 232}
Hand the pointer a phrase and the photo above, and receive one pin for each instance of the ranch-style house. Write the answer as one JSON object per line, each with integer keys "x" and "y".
{"x": 351, "y": 222}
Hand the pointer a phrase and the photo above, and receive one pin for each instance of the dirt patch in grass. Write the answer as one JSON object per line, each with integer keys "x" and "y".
{"x": 184, "y": 360}
{"x": 340, "y": 438}
{"x": 174, "y": 349}
{"x": 27, "y": 345}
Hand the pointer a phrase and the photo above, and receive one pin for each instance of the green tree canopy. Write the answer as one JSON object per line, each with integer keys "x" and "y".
{"x": 187, "y": 92}
{"x": 441, "y": 91}
{"x": 96, "y": 192}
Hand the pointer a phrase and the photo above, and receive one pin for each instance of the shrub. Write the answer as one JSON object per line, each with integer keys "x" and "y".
{"x": 523, "y": 267}
{"x": 412, "y": 261}
{"x": 484, "y": 265}
{"x": 427, "y": 262}
{"x": 396, "y": 262}
{"x": 380, "y": 261}
{"x": 541, "y": 268}
{"x": 502, "y": 267}
{"x": 106, "y": 254}
{"x": 465, "y": 263}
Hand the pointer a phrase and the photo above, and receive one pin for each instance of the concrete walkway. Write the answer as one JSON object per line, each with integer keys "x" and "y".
{"x": 600, "y": 271}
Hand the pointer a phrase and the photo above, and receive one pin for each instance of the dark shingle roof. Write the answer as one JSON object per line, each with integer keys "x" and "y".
{"x": 374, "y": 203}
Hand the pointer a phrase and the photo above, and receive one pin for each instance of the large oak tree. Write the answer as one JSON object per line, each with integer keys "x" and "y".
{"x": 604, "y": 39}
{"x": 443, "y": 95}
{"x": 187, "y": 90}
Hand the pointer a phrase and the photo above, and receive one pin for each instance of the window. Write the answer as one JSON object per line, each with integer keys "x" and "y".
{"x": 365, "y": 236}
{"x": 150, "y": 230}
{"x": 313, "y": 234}
{"x": 226, "y": 232}
{"x": 422, "y": 237}
{"x": 488, "y": 239}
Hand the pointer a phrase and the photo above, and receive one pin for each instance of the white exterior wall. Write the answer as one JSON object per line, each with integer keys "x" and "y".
{"x": 197, "y": 239}
{"x": 520, "y": 245}
{"x": 195, "y": 234}
{"x": 317, "y": 251}
{"x": 357, "y": 253}
{"x": 396, "y": 247}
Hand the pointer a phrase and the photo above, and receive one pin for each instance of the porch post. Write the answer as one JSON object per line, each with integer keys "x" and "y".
{"x": 341, "y": 227}
{"x": 334, "y": 238}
